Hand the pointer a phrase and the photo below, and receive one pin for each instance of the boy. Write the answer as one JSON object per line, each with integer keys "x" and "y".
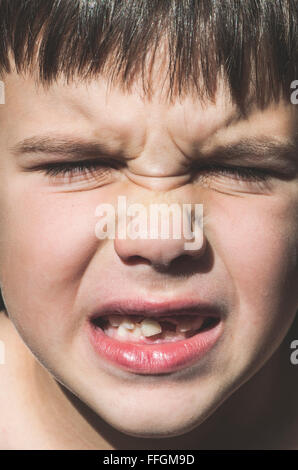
{"x": 121, "y": 343}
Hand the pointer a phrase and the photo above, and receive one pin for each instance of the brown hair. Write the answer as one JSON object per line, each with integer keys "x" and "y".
{"x": 254, "y": 43}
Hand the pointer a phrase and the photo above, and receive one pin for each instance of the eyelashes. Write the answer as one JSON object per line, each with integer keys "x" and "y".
{"x": 67, "y": 172}
{"x": 249, "y": 174}
{"x": 81, "y": 168}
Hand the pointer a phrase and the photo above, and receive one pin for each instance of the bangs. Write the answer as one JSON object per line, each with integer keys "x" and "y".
{"x": 252, "y": 44}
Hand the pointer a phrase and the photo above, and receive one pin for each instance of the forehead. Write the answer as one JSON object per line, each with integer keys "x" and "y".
{"x": 96, "y": 110}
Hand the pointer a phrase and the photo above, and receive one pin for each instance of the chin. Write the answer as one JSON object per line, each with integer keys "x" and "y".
{"x": 160, "y": 430}
{"x": 158, "y": 425}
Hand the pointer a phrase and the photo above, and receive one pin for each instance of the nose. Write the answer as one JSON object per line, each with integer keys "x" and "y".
{"x": 160, "y": 248}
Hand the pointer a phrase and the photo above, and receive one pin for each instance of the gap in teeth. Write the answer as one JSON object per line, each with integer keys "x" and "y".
{"x": 138, "y": 327}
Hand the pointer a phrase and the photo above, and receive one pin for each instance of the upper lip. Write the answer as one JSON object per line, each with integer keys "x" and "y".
{"x": 159, "y": 309}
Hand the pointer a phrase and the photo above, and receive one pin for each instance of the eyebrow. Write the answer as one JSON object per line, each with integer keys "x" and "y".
{"x": 262, "y": 151}
{"x": 70, "y": 148}
{"x": 258, "y": 151}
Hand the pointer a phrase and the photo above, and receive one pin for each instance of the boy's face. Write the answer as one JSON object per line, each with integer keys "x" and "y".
{"x": 55, "y": 272}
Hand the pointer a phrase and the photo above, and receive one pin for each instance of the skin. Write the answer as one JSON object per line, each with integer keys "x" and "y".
{"x": 48, "y": 249}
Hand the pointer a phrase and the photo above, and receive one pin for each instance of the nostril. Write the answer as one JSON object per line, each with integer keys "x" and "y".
{"x": 136, "y": 259}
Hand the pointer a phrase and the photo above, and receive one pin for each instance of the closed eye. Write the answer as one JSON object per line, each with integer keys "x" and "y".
{"x": 78, "y": 168}
{"x": 101, "y": 167}
{"x": 249, "y": 174}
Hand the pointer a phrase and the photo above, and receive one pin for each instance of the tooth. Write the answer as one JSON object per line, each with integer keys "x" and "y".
{"x": 189, "y": 324}
{"x": 137, "y": 332}
{"x": 115, "y": 320}
{"x": 183, "y": 326}
{"x": 170, "y": 336}
{"x": 128, "y": 324}
{"x": 122, "y": 331}
{"x": 150, "y": 327}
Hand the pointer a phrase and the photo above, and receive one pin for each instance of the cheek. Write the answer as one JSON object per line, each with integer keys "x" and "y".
{"x": 46, "y": 244}
{"x": 257, "y": 239}
{"x": 260, "y": 253}
{"x": 257, "y": 244}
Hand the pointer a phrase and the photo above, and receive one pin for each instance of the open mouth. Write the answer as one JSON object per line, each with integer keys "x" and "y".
{"x": 151, "y": 338}
{"x": 146, "y": 330}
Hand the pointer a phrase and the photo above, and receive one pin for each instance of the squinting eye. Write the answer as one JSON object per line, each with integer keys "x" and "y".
{"x": 248, "y": 174}
{"x": 72, "y": 169}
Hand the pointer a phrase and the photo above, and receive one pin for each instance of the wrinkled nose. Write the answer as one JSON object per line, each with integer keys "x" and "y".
{"x": 161, "y": 247}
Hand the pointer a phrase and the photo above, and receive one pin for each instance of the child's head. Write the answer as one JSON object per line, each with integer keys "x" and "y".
{"x": 183, "y": 102}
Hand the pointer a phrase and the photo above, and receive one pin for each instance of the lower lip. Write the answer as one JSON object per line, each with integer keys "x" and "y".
{"x": 155, "y": 358}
